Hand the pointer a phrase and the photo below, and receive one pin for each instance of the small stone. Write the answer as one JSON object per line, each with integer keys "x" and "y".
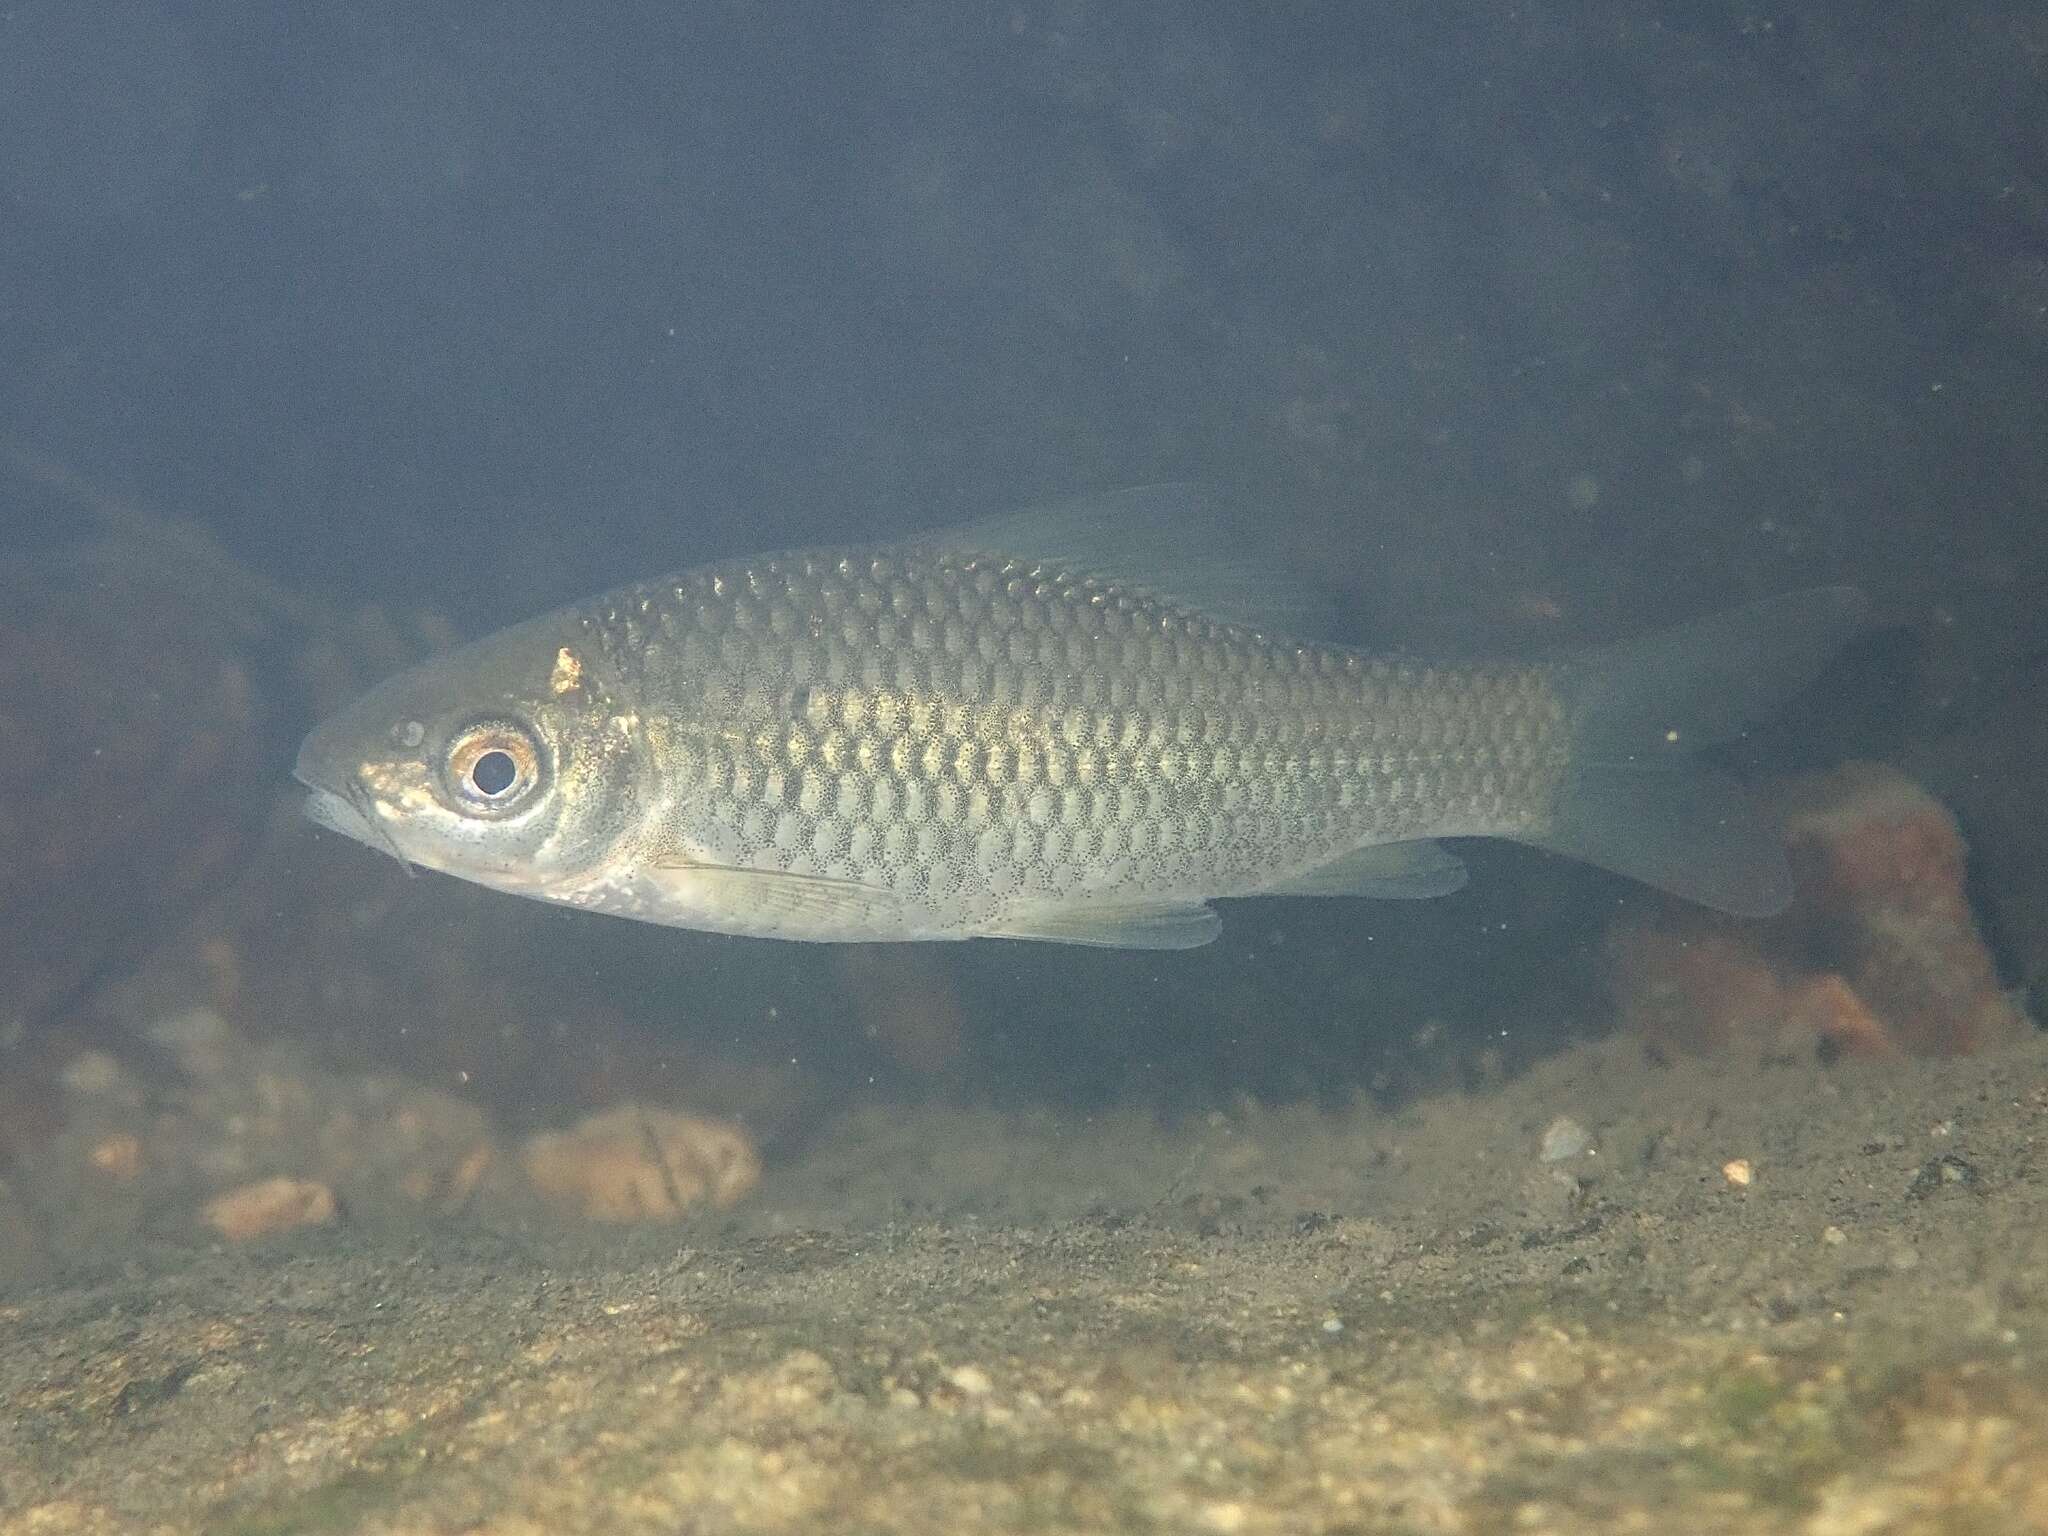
{"x": 194, "y": 1030}
{"x": 1947, "y": 1171}
{"x": 118, "y": 1156}
{"x": 270, "y": 1205}
{"x": 790, "y": 1388}
{"x": 970, "y": 1381}
{"x": 1550, "y": 1196}
{"x": 1564, "y": 1139}
{"x": 1834, "y": 1237}
{"x": 93, "y": 1075}
{"x": 1333, "y": 1325}
{"x": 1739, "y": 1172}
{"x": 470, "y": 1172}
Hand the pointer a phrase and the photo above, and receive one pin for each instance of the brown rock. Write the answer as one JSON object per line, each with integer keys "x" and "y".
{"x": 270, "y": 1205}
{"x": 1880, "y": 953}
{"x": 124, "y": 685}
{"x": 1688, "y": 983}
{"x": 118, "y": 1155}
{"x": 632, "y": 1163}
{"x": 1881, "y": 870}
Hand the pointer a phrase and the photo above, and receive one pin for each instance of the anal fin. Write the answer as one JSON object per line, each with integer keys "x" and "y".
{"x": 1390, "y": 871}
{"x": 1112, "y": 925}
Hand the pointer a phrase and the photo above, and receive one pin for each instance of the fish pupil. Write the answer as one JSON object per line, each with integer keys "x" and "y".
{"x": 493, "y": 773}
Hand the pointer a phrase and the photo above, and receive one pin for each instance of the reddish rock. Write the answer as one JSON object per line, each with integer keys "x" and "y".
{"x": 1690, "y": 986}
{"x": 1880, "y": 953}
{"x": 633, "y": 1163}
{"x": 1881, "y": 868}
{"x": 267, "y": 1206}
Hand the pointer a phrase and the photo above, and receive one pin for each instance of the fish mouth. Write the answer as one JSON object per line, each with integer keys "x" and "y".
{"x": 326, "y": 804}
{"x": 325, "y": 808}
{"x": 346, "y": 810}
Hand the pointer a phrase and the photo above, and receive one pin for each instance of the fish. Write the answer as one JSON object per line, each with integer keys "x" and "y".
{"x": 1082, "y": 723}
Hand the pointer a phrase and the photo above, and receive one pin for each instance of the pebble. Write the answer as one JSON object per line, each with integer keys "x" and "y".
{"x": 118, "y": 1155}
{"x": 1564, "y": 1139}
{"x": 194, "y": 1029}
{"x": 970, "y": 1381}
{"x": 270, "y": 1205}
{"x": 93, "y": 1075}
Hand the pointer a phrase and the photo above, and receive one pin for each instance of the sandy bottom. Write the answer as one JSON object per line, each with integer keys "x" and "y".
{"x": 1270, "y": 1321}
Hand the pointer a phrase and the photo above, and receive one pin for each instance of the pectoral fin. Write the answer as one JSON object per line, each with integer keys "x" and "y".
{"x": 774, "y": 904}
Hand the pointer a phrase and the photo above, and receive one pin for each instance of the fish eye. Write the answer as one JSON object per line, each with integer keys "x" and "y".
{"x": 493, "y": 773}
{"x": 493, "y": 765}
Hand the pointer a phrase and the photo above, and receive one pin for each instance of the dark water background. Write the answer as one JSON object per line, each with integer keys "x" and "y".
{"x": 1523, "y": 324}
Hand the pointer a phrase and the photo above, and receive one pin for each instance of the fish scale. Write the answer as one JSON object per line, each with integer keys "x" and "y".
{"x": 981, "y": 730}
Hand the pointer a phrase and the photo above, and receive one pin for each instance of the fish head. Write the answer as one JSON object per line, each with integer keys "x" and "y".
{"x": 511, "y": 762}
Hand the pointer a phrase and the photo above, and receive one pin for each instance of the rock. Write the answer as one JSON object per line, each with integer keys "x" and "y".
{"x": 237, "y": 1119}
{"x": 268, "y": 1206}
{"x": 118, "y": 1156}
{"x": 97, "y": 1076}
{"x": 1564, "y": 1139}
{"x": 123, "y": 685}
{"x": 1879, "y": 955}
{"x": 1990, "y": 774}
{"x": 632, "y": 1163}
{"x": 1881, "y": 870}
{"x": 970, "y": 1381}
{"x": 1686, "y": 981}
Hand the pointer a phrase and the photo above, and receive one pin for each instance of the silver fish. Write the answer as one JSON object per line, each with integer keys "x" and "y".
{"x": 1077, "y": 724}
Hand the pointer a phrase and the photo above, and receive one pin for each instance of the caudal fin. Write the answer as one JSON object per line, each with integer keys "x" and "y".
{"x": 1637, "y": 801}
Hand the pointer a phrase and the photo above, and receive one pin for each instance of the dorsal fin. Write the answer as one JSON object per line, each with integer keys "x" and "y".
{"x": 1174, "y": 542}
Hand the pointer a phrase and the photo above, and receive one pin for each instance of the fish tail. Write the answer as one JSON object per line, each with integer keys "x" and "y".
{"x": 1636, "y": 800}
